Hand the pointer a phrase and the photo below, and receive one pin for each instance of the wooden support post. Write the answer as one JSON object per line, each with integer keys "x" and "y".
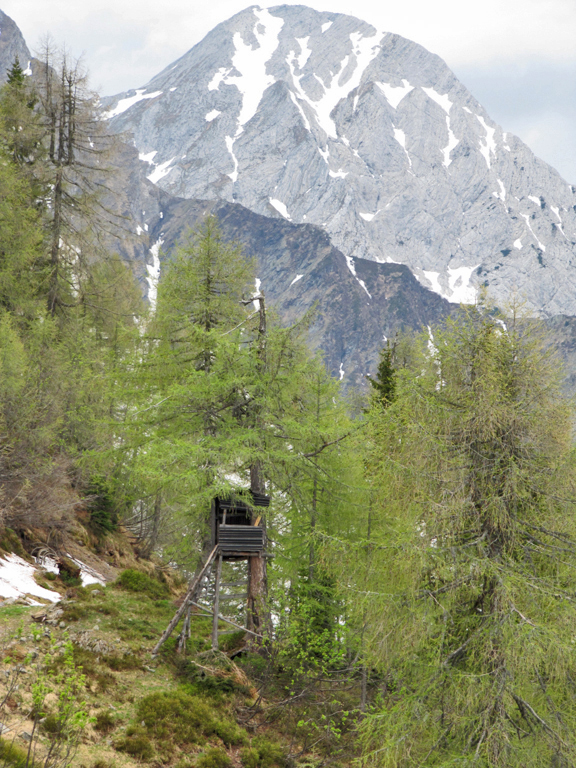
{"x": 189, "y": 595}
{"x": 216, "y": 604}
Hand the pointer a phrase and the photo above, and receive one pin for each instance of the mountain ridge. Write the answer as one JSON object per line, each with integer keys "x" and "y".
{"x": 316, "y": 117}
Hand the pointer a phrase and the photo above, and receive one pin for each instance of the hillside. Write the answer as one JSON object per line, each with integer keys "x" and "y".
{"x": 128, "y": 708}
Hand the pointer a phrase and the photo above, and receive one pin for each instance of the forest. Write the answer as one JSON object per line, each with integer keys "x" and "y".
{"x": 419, "y": 599}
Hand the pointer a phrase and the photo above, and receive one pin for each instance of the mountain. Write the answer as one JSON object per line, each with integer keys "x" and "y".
{"x": 319, "y": 118}
{"x": 12, "y": 45}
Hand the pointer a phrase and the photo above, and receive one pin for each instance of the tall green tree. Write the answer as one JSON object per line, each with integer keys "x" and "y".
{"x": 470, "y": 605}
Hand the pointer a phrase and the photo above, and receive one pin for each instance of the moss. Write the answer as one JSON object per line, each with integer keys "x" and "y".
{"x": 136, "y": 743}
{"x": 176, "y": 717}
{"x": 136, "y": 581}
{"x": 105, "y": 722}
{"x": 214, "y": 758}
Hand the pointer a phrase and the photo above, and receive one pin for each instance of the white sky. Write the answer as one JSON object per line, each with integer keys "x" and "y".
{"x": 498, "y": 48}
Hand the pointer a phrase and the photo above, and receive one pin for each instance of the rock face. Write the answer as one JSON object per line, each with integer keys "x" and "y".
{"x": 11, "y": 45}
{"x": 300, "y": 269}
{"x": 317, "y": 117}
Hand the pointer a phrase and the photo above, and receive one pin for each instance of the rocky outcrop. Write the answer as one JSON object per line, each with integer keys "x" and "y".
{"x": 12, "y": 45}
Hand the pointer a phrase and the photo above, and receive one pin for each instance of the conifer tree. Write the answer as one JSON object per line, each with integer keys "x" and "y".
{"x": 470, "y": 607}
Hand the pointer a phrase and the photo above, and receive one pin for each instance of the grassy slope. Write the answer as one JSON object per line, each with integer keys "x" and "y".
{"x": 198, "y": 710}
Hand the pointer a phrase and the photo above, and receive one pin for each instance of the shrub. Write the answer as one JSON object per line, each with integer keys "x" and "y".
{"x": 249, "y": 757}
{"x": 12, "y": 754}
{"x": 119, "y": 663}
{"x": 178, "y": 718}
{"x": 136, "y": 581}
{"x": 136, "y": 743}
{"x": 270, "y": 753}
{"x": 213, "y": 758}
{"x": 105, "y": 722}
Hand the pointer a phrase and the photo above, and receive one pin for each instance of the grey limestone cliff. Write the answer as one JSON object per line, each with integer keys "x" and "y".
{"x": 12, "y": 45}
{"x": 317, "y": 117}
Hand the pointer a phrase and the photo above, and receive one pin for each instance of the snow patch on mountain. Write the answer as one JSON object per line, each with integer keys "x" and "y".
{"x": 395, "y": 93}
{"x": 129, "y": 101}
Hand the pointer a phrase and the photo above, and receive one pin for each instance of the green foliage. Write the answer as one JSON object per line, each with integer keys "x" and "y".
{"x": 12, "y": 754}
{"x": 135, "y": 743}
{"x": 213, "y": 758}
{"x": 177, "y": 718}
{"x": 136, "y": 581}
{"x": 384, "y": 383}
{"x": 103, "y": 513}
{"x": 469, "y": 570}
{"x": 314, "y": 632}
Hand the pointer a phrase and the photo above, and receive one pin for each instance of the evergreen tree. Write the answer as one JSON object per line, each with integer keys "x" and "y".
{"x": 470, "y": 608}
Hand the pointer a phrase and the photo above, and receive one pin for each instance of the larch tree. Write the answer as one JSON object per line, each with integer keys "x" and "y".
{"x": 470, "y": 607}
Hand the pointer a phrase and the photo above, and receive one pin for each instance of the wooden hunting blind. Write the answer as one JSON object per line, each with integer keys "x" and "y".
{"x": 234, "y": 525}
{"x": 236, "y": 535}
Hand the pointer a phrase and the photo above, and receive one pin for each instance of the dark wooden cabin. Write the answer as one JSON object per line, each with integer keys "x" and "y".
{"x": 234, "y": 525}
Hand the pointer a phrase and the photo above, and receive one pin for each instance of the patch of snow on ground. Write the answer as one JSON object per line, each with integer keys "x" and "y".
{"x": 325, "y": 153}
{"x": 154, "y": 273}
{"x": 442, "y": 100}
{"x": 452, "y": 144}
{"x": 518, "y": 244}
{"x": 400, "y": 137}
{"x": 28, "y": 70}
{"x": 527, "y": 220}
{"x": 160, "y": 171}
{"x": 556, "y": 212}
{"x": 139, "y": 230}
{"x": 88, "y": 575}
{"x": 149, "y": 157}
{"x": 219, "y": 76}
{"x": 302, "y": 113}
{"x": 461, "y": 291}
{"x": 128, "y": 102}
{"x": 505, "y": 142}
{"x": 467, "y": 110}
{"x": 251, "y": 64}
{"x": 395, "y": 93}
{"x": 434, "y": 282}
{"x": 253, "y": 79}
{"x": 364, "y": 50}
{"x": 298, "y": 277}
{"x": 342, "y": 371}
{"x": 340, "y": 174}
{"x": 369, "y": 216}
{"x": 305, "y": 52}
{"x": 280, "y": 207}
{"x": 502, "y": 194}
{"x": 352, "y": 268}
{"x": 490, "y": 145}
{"x": 535, "y": 200}
{"x": 17, "y": 580}
{"x": 230, "y": 147}
{"x": 212, "y": 115}
{"x": 326, "y": 26}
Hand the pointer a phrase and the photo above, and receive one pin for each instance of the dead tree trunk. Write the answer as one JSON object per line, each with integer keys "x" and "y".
{"x": 258, "y": 617}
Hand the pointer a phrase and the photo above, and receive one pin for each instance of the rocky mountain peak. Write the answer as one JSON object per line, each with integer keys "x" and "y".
{"x": 319, "y": 118}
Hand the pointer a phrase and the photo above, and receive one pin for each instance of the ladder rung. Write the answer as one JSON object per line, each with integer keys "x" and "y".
{"x": 229, "y": 631}
{"x": 242, "y": 596}
{"x": 235, "y": 584}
